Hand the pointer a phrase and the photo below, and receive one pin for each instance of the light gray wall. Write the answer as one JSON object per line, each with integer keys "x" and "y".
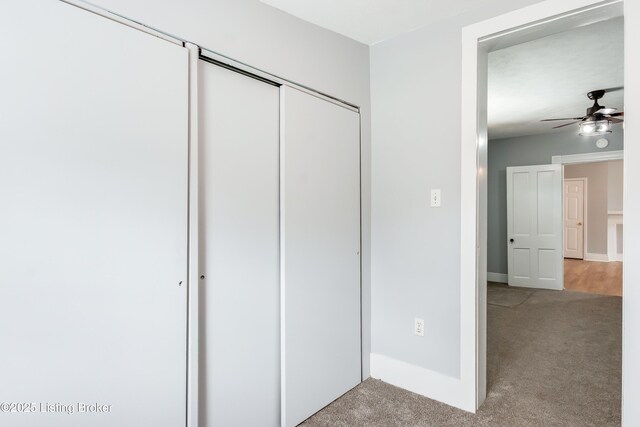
{"x": 416, "y": 249}
{"x": 615, "y": 193}
{"x": 596, "y": 206}
{"x": 266, "y": 38}
{"x": 522, "y": 151}
{"x": 261, "y": 36}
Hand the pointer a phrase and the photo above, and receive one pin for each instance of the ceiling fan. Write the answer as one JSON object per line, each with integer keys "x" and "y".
{"x": 598, "y": 119}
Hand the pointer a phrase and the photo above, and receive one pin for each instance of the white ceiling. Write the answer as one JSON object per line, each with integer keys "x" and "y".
{"x": 549, "y": 78}
{"x": 544, "y": 78}
{"x": 371, "y": 21}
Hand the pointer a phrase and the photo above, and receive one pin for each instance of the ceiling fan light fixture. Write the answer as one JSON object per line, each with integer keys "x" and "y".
{"x": 605, "y": 110}
{"x": 598, "y": 120}
{"x": 594, "y": 128}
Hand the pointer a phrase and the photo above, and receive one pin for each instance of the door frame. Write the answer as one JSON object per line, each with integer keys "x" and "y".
{"x": 593, "y": 157}
{"x": 532, "y": 22}
{"x": 585, "y": 194}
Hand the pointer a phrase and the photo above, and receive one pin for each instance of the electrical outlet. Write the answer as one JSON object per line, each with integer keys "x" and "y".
{"x": 436, "y": 200}
{"x": 418, "y": 327}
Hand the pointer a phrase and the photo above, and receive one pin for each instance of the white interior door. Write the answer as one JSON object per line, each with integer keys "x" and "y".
{"x": 239, "y": 225}
{"x": 321, "y": 253}
{"x": 574, "y": 218}
{"x": 534, "y": 226}
{"x": 93, "y": 224}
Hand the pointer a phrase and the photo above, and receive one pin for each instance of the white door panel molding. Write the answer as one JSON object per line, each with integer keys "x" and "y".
{"x": 534, "y": 226}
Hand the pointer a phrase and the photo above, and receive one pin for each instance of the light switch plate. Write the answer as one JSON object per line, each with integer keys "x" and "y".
{"x": 418, "y": 328}
{"x": 436, "y": 200}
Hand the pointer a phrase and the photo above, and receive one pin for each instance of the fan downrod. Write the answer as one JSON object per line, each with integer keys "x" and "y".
{"x": 595, "y": 95}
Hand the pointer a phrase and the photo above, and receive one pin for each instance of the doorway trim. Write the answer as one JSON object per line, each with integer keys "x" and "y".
{"x": 529, "y": 23}
{"x": 601, "y": 156}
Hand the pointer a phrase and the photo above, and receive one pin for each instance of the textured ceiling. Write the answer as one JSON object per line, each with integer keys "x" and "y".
{"x": 371, "y": 21}
{"x": 549, "y": 77}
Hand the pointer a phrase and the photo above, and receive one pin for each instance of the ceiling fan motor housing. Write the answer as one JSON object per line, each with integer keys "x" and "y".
{"x": 594, "y": 95}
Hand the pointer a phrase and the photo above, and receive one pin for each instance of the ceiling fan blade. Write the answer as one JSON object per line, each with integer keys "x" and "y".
{"x": 614, "y": 120}
{"x": 566, "y": 124}
{"x": 569, "y": 118}
{"x": 618, "y": 114}
{"x": 613, "y": 89}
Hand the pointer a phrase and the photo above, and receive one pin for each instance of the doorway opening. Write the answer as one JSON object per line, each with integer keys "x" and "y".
{"x": 593, "y": 220}
{"x": 551, "y": 298}
{"x": 529, "y": 24}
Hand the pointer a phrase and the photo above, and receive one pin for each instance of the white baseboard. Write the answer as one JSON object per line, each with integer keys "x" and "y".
{"x": 420, "y": 380}
{"x": 596, "y": 257}
{"x": 616, "y": 258}
{"x": 498, "y": 277}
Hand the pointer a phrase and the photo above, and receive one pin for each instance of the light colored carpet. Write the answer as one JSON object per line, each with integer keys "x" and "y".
{"x": 505, "y": 296}
{"x": 553, "y": 360}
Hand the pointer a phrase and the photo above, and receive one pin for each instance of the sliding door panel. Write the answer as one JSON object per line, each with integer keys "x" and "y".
{"x": 93, "y": 224}
{"x": 320, "y": 258}
{"x": 239, "y": 226}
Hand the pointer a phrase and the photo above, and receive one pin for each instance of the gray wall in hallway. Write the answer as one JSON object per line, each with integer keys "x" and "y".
{"x": 522, "y": 151}
{"x": 604, "y": 194}
{"x": 616, "y": 178}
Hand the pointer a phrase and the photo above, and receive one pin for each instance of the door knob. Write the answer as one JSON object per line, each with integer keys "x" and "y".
{"x": 579, "y": 223}
{"x": 511, "y": 240}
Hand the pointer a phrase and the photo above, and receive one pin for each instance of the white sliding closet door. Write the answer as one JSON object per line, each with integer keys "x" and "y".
{"x": 239, "y": 226}
{"x": 320, "y": 259}
{"x": 93, "y": 223}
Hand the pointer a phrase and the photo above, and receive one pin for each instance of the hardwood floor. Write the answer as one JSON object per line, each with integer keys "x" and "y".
{"x": 604, "y": 278}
